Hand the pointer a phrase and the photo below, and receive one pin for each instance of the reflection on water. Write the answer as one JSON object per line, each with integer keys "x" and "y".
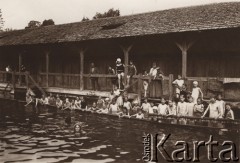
{"x": 107, "y": 139}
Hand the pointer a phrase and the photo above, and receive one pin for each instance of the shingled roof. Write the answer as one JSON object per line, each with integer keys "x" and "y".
{"x": 205, "y": 17}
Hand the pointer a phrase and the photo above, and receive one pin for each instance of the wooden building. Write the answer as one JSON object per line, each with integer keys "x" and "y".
{"x": 200, "y": 43}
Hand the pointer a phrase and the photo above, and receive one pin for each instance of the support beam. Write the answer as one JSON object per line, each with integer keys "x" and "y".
{"x": 126, "y": 51}
{"x": 47, "y": 68}
{"x": 81, "y": 55}
{"x": 19, "y": 67}
{"x": 184, "y": 47}
{"x": 19, "y": 62}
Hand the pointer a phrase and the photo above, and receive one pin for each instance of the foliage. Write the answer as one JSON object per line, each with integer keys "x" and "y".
{"x": 48, "y": 22}
{"x": 110, "y": 13}
{"x": 33, "y": 24}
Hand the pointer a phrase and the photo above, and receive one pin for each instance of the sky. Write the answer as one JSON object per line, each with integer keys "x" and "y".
{"x": 17, "y": 13}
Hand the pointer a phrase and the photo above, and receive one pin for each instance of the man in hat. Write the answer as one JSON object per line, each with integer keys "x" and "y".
{"x": 120, "y": 72}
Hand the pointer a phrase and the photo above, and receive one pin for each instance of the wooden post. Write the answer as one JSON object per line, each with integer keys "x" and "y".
{"x": 26, "y": 79}
{"x": 184, "y": 47}
{"x": 171, "y": 86}
{"x": 19, "y": 67}
{"x": 13, "y": 80}
{"x": 81, "y": 54}
{"x": 47, "y": 68}
{"x": 126, "y": 51}
{"x": 184, "y": 63}
{"x": 140, "y": 85}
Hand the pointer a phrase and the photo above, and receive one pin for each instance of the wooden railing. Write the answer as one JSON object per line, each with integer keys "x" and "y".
{"x": 157, "y": 87}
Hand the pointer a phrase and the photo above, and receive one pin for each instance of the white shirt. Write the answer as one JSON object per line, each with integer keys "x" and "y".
{"x": 195, "y": 94}
{"x": 221, "y": 105}
{"x": 140, "y": 116}
{"x": 190, "y": 107}
{"x": 182, "y": 109}
{"x": 162, "y": 109}
{"x": 180, "y": 83}
{"x": 146, "y": 106}
{"x": 153, "y": 71}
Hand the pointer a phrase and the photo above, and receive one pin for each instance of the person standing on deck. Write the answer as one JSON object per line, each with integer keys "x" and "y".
{"x": 145, "y": 83}
{"x": 155, "y": 71}
{"x": 127, "y": 105}
{"x": 221, "y": 104}
{"x": 172, "y": 110}
{"x": 213, "y": 108}
{"x": 179, "y": 82}
{"x": 120, "y": 72}
{"x": 182, "y": 107}
{"x": 162, "y": 107}
{"x": 23, "y": 69}
{"x": 132, "y": 70}
{"x": 198, "y": 108}
{"x": 9, "y": 75}
{"x": 190, "y": 107}
{"x": 196, "y": 92}
{"x": 111, "y": 71}
{"x": 145, "y": 106}
{"x": 94, "y": 80}
{"x": 229, "y": 113}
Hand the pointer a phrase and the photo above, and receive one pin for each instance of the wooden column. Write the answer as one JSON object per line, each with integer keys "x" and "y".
{"x": 184, "y": 47}
{"x": 126, "y": 51}
{"x": 19, "y": 62}
{"x": 184, "y": 63}
{"x": 47, "y": 68}
{"x": 171, "y": 86}
{"x": 19, "y": 67}
{"x": 81, "y": 55}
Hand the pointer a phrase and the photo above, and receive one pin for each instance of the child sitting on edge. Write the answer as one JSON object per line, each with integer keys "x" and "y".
{"x": 196, "y": 92}
{"x": 113, "y": 108}
{"x": 93, "y": 108}
{"x": 100, "y": 103}
{"x": 198, "y": 108}
{"x": 190, "y": 106}
{"x": 67, "y": 104}
{"x": 135, "y": 108}
{"x": 59, "y": 103}
{"x": 73, "y": 104}
{"x": 229, "y": 113}
{"x": 162, "y": 107}
{"x": 172, "y": 110}
{"x": 139, "y": 115}
{"x": 182, "y": 107}
{"x": 152, "y": 109}
{"x": 77, "y": 103}
{"x": 127, "y": 104}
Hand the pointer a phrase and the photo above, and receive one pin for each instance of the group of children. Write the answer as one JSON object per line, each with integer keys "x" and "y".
{"x": 187, "y": 104}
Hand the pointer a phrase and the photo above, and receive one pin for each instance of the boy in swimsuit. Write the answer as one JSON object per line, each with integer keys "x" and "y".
{"x": 213, "y": 108}
{"x": 196, "y": 92}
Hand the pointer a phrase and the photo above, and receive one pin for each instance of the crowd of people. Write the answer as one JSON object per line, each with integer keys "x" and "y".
{"x": 186, "y": 104}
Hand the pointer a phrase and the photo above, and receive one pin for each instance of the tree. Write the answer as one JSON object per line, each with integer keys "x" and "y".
{"x": 85, "y": 19}
{"x": 48, "y": 22}
{"x": 110, "y": 13}
{"x": 33, "y": 24}
{"x": 1, "y": 21}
